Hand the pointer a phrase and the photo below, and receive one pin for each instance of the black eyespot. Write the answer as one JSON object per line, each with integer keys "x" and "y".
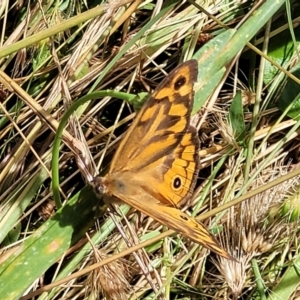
{"x": 177, "y": 183}
{"x": 181, "y": 80}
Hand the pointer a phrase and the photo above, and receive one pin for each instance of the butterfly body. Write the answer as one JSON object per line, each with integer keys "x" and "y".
{"x": 156, "y": 165}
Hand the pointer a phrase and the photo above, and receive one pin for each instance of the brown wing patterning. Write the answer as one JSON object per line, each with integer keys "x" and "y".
{"x": 161, "y": 123}
{"x": 156, "y": 165}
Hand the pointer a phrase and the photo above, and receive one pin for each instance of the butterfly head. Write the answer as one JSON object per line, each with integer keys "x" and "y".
{"x": 99, "y": 185}
{"x": 105, "y": 187}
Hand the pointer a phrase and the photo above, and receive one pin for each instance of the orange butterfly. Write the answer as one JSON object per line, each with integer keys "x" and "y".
{"x": 156, "y": 165}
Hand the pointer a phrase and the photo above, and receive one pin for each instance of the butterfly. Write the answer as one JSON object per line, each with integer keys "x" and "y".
{"x": 156, "y": 165}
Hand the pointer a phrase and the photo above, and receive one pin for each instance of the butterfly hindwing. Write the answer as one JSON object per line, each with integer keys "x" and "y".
{"x": 180, "y": 169}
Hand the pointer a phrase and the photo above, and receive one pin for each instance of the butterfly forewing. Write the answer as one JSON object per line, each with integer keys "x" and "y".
{"x": 141, "y": 199}
{"x": 161, "y": 123}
